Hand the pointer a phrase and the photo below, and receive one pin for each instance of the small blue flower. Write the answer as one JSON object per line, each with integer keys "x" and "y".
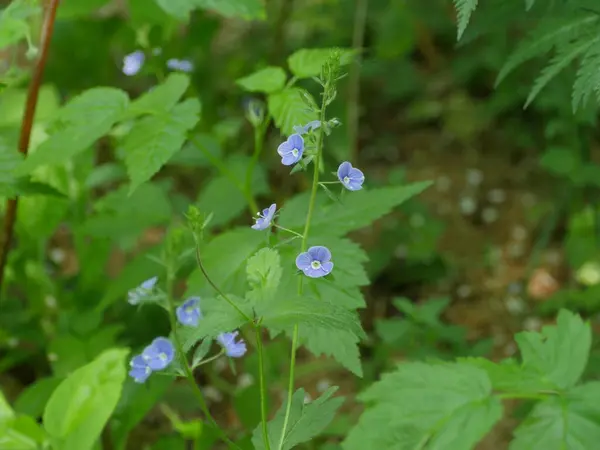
{"x": 133, "y": 62}
{"x": 315, "y": 263}
{"x": 180, "y": 64}
{"x": 189, "y": 313}
{"x": 310, "y": 126}
{"x": 232, "y": 349}
{"x": 263, "y": 221}
{"x": 291, "y": 150}
{"x": 140, "y": 371}
{"x": 159, "y": 353}
{"x": 136, "y": 295}
{"x": 351, "y": 178}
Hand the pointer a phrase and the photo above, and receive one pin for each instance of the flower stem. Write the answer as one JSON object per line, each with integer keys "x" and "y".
{"x": 311, "y": 207}
{"x": 259, "y": 137}
{"x": 263, "y": 397}
{"x": 289, "y": 231}
{"x": 188, "y": 370}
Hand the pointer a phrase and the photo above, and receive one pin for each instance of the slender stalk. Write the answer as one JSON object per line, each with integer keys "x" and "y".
{"x": 289, "y": 231}
{"x": 27, "y": 125}
{"x": 263, "y": 397}
{"x": 311, "y": 207}
{"x": 358, "y": 37}
{"x": 212, "y": 358}
{"x": 188, "y": 370}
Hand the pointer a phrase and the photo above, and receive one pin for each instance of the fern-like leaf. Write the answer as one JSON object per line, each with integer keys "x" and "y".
{"x": 550, "y": 33}
{"x": 564, "y": 57}
{"x": 464, "y": 9}
{"x": 588, "y": 76}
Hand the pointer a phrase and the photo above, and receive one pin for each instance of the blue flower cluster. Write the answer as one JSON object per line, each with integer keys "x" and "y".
{"x": 160, "y": 353}
{"x": 316, "y": 261}
{"x": 133, "y": 63}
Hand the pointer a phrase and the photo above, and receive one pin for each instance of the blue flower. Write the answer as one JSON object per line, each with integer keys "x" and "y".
{"x": 232, "y": 349}
{"x": 315, "y": 263}
{"x": 189, "y": 313}
{"x": 140, "y": 371}
{"x": 180, "y": 64}
{"x": 263, "y": 221}
{"x": 291, "y": 150}
{"x": 159, "y": 353}
{"x": 310, "y": 126}
{"x": 133, "y": 62}
{"x": 136, "y": 295}
{"x": 351, "y": 178}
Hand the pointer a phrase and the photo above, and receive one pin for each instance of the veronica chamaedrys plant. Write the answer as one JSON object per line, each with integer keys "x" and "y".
{"x": 291, "y": 150}
{"x": 135, "y": 296}
{"x": 133, "y": 62}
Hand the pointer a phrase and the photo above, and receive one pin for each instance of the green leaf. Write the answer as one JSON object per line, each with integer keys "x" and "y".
{"x": 569, "y": 422}
{"x": 82, "y": 404}
{"x": 12, "y": 105}
{"x": 305, "y": 421}
{"x": 267, "y": 80}
{"x": 307, "y": 62}
{"x": 72, "y": 9}
{"x": 324, "y": 328}
{"x": 180, "y": 9}
{"x": 13, "y": 24}
{"x": 83, "y": 120}
{"x": 359, "y": 209}
{"x": 264, "y": 272}
{"x": 464, "y": 9}
{"x": 288, "y": 110}
{"x": 155, "y": 139}
{"x": 33, "y": 399}
{"x": 437, "y": 406}
{"x": 244, "y": 9}
{"x": 559, "y": 353}
{"x": 587, "y": 80}
{"x": 18, "y": 432}
{"x": 160, "y": 98}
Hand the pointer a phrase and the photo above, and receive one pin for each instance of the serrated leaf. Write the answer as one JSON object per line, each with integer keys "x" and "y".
{"x": 155, "y": 139}
{"x": 82, "y": 404}
{"x": 569, "y": 422}
{"x": 305, "y": 421}
{"x": 288, "y": 110}
{"x": 160, "y": 98}
{"x": 559, "y": 353}
{"x": 83, "y": 120}
{"x": 464, "y": 9}
{"x": 307, "y": 62}
{"x": 359, "y": 209}
{"x": 268, "y": 80}
{"x": 587, "y": 80}
{"x": 324, "y": 328}
{"x": 442, "y": 406}
{"x": 263, "y": 271}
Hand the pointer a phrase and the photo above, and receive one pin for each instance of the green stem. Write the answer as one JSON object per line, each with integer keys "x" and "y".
{"x": 289, "y": 231}
{"x": 212, "y": 358}
{"x": 215, "y": 287}
{"x": 187, "y": 369}
{"x": 311, "y": 207}
{"x": 222, "y": 168}
{"x": 259, "y": 137}
{"x": 263, "y": 397}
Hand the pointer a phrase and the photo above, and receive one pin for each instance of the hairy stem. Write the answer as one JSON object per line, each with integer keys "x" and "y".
{"x": 263, "y": 395}
{"x": 188, "y": 370}
{"x": 311, "y": 207}
{"x": 27, "y": 124}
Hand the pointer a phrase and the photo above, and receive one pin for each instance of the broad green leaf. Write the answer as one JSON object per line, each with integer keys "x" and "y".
{"x": 18, "y": 432}
{"x": 82, "y": 404}
{"x": 34, "y": 398}
{"x": 348, "y": 259}
{"x": 358, "y": 210}
{"x": 307, "y": 62}
{"x": 218, "y": 316}
{"x": 289, "y": 110}
{"x": 12, "y": 105}
{"x": 244, "y": 9}
{"x": 223, "y": 257}
{"x": 268, "y": 80}
{"x": 155, "y": 139}
{"x": 561, "y": 422}
{"x": 443, "y": 405}
{"x": 161, "y": 98}
{"x": 13, "y": 24}
{"x": 305, "y": 422}
{"x": 324, "y": 328}
{"x": 82, "y": 121}
{"x": 264, "y": 273}
{"x": 560, "y": 352}
{"x": 136, "y": 401}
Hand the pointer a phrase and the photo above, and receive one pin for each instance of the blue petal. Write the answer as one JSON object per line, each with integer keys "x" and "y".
{"x": 140, "y": 374}
{"x": 319, "y": 253}
{"x": 149, "y": 284}
{"x": 289, "y": 159}
{"x": 303, "y": 261}
{"x": 344, "y": 170}
{"x": 296, "y": 142}
{"x": 285, "y": 148}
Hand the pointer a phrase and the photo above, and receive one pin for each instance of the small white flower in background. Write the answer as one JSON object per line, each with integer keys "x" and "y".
{"x": 474, "y": 177}
{"x": 307, "y": 398}
{"x": 212, "y": 393}
{"x": 133, "y": 62}
{"x": 323, "y": 385}
{"x": 182, "y": 65}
